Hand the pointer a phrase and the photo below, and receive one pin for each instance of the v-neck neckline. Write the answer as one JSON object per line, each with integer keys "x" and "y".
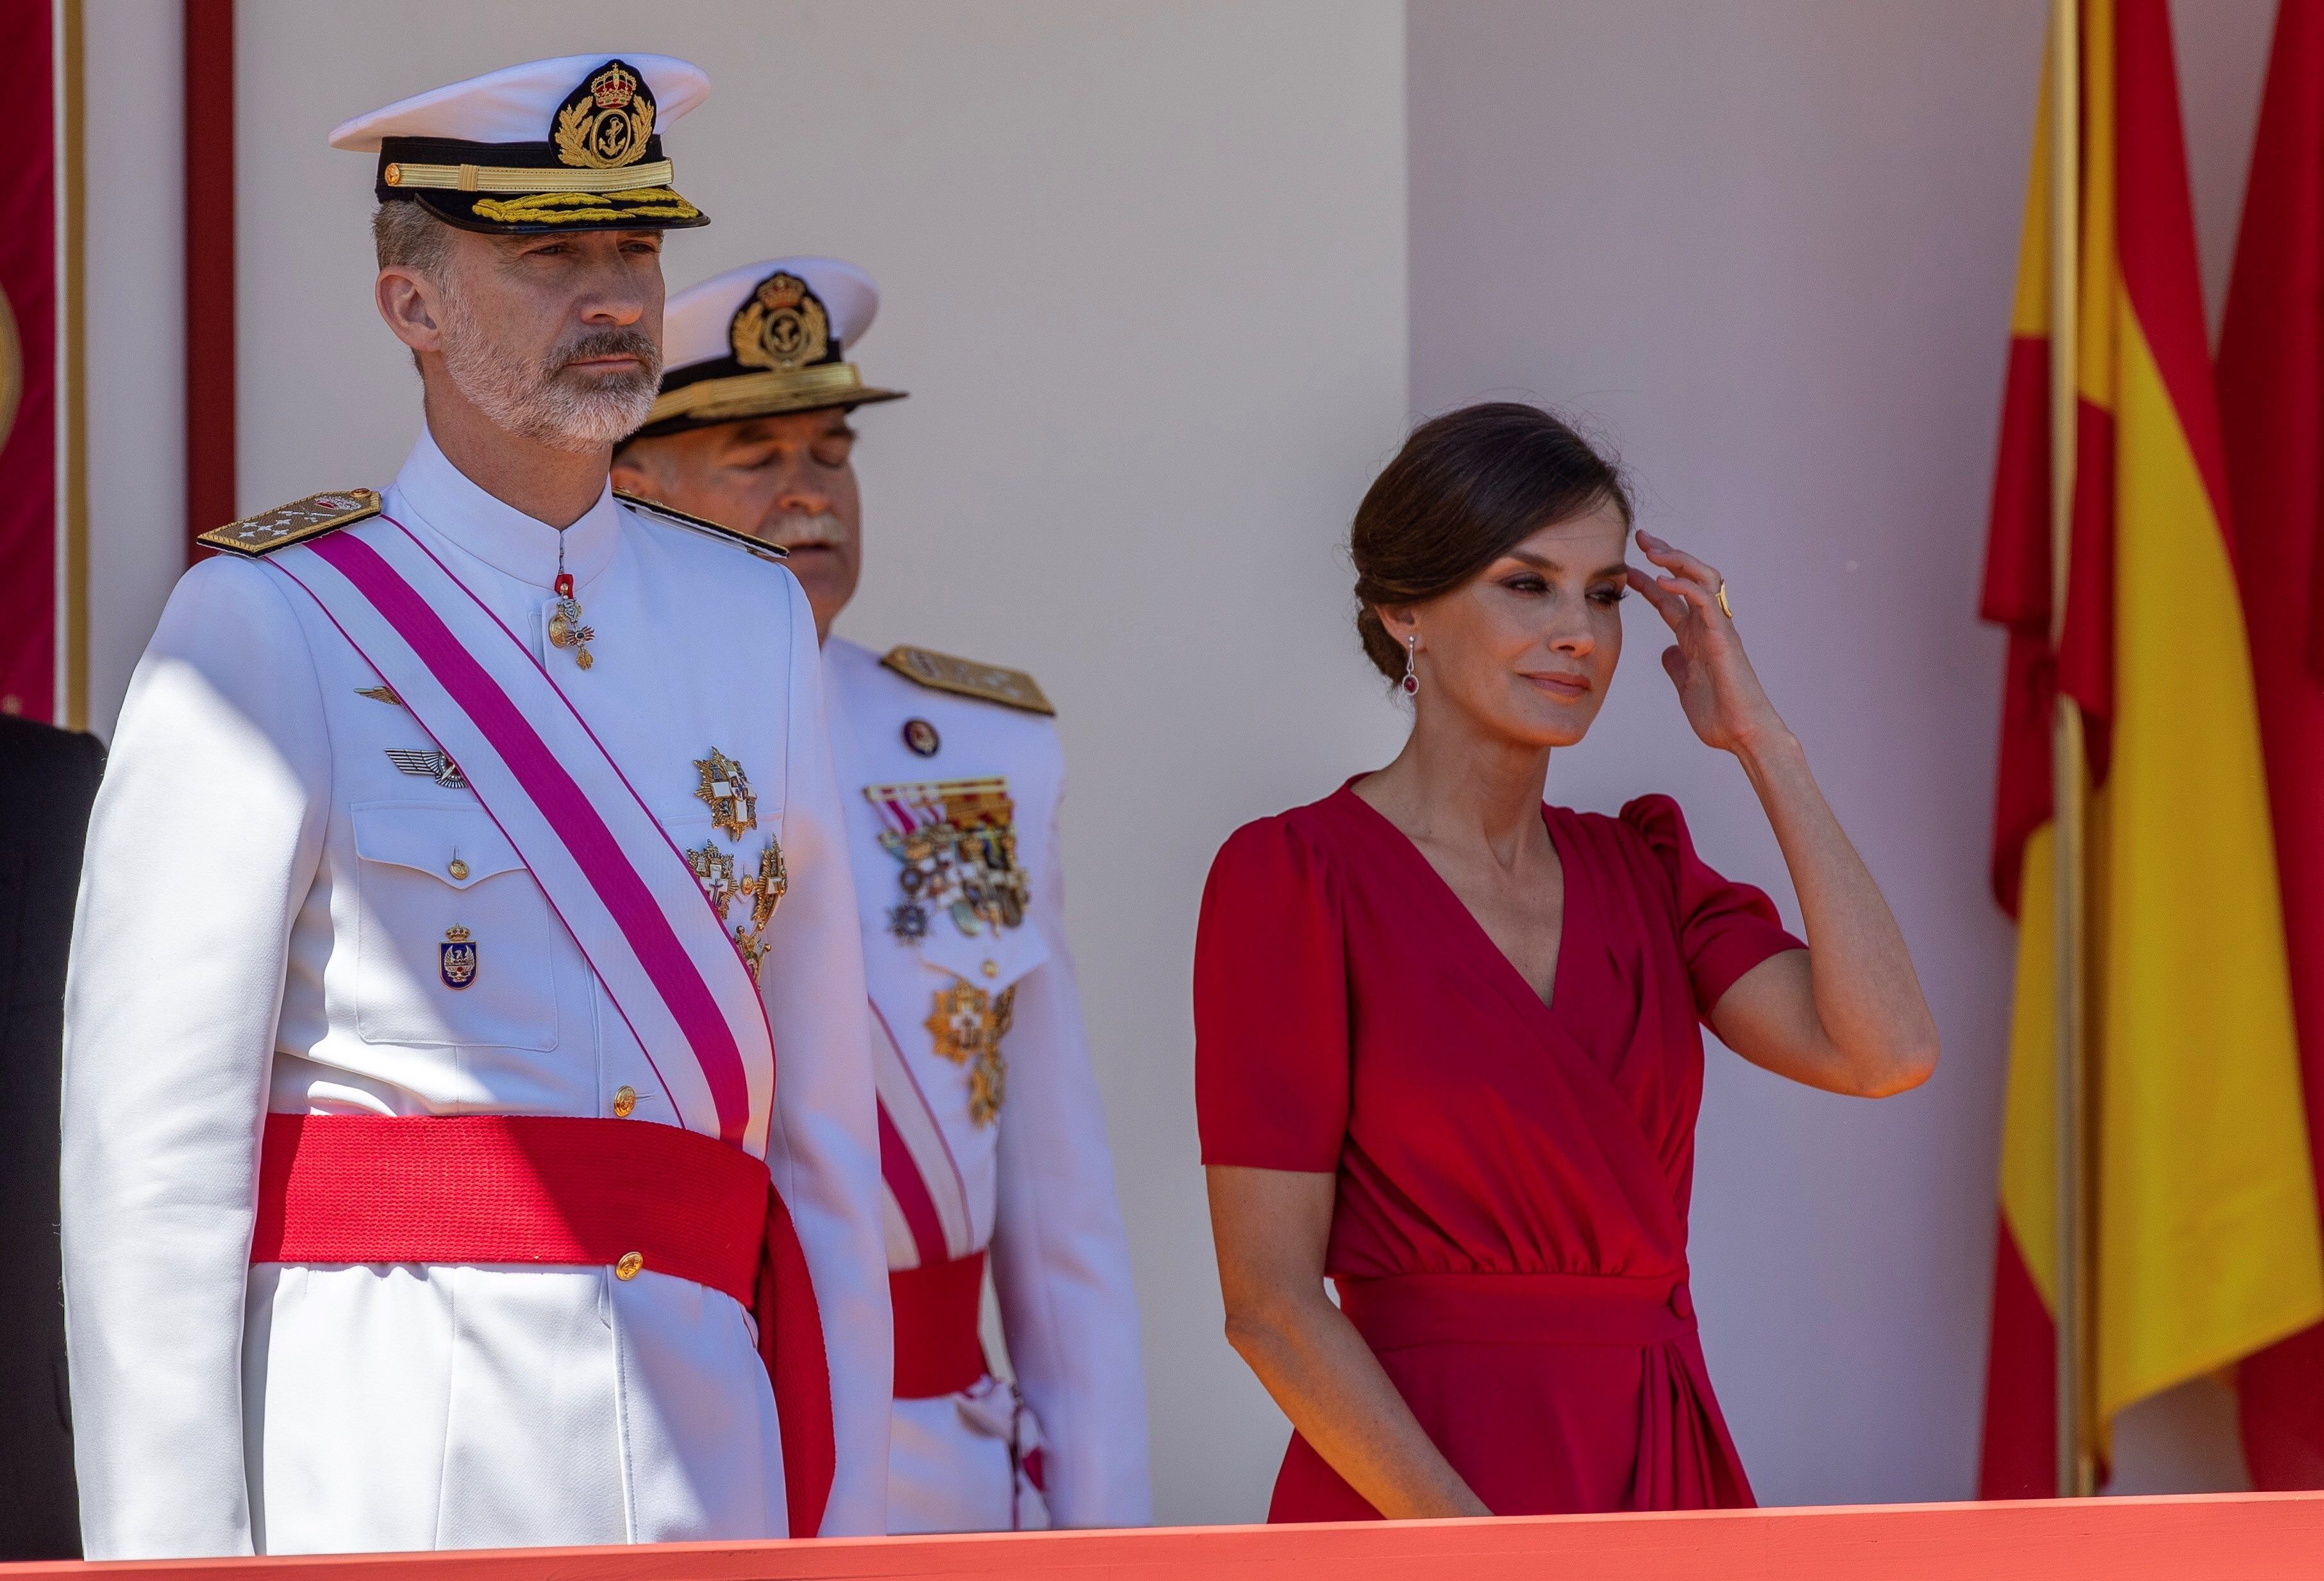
{"x": 1566, "y": 866}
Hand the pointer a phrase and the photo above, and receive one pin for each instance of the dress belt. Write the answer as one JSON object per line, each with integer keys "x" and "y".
{"x": 630, "y": 1195}
{"x": 938, "y": 1350}
{"x": 1516, "y": 1308}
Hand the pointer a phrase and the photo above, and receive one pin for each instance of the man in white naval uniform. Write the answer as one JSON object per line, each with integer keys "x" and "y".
{"x": 314, "y": 916}
{"x": 992, "y": 1138}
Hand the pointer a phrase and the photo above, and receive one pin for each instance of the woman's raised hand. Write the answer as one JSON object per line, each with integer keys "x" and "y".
{"x": 1716, "y": 686}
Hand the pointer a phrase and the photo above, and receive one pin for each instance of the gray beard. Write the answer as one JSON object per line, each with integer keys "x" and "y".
{"x": 544, "y": 402}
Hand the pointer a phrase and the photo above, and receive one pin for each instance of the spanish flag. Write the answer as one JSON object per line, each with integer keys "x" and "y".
{"x": 2272, "y": 399}
{"x": 2202, "y": 1235}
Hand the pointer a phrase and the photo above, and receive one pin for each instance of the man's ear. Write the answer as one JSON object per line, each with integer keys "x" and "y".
{"x": 412, "y": 308}
{"x": 631, "y": 475}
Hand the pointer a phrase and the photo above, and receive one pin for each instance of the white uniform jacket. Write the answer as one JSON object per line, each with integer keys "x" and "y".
{"x": 1036, "y": 1184}
{"x": 261, "y": 911}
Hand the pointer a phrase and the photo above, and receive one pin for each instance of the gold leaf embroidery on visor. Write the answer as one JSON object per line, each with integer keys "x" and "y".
{"x": 585, "y": 208}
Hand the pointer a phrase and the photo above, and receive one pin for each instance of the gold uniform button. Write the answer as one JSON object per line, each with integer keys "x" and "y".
{"x": 624, "y": 1100}
{"x": 993, "y": 968}
{"x": 392, "y": 175}
{"x": 458, "y": 869}
{"x": 627, "y": 1268}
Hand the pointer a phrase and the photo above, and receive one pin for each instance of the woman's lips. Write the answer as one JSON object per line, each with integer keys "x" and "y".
{"x": 1562, "y": 686}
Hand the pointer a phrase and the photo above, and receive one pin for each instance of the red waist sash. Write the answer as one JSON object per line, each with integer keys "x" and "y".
{"x": 938, "y": 1350}
{"x": 562, "y": 1192}
{"x": 1516, "y": 1308}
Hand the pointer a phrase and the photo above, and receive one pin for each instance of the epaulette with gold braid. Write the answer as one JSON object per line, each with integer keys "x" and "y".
{"x": 295, "y": 522}
{"x": 1012, "y": 689}
{"x": 708, "y": 529}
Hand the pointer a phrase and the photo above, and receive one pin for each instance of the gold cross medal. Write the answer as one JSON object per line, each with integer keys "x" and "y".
{"x": 564, "y": 627}
{"x": 965, "y": 1026}
{"x": 456, "y": 957}
{"x": 725, "y": 790}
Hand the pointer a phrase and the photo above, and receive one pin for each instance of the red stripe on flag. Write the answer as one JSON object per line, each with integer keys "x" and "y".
{"x": 2155, "y": 230}
{"x": 2016, "y": 592}
{"x": 2271, "y": 385}
{"x": 2021, "y": 1402}
{"x": 2016, "y": 595}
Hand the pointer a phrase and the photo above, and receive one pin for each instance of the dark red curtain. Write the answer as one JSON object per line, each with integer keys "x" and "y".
{"x": 28, "y": 371}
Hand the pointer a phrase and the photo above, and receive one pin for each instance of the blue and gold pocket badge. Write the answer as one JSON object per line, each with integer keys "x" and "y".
{"x": 456, "y": 957}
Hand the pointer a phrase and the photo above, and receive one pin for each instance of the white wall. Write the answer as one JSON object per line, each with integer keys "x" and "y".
{"x": 134, "y": 281}
{"x": 1767, "y": 250}
{"x": 1143, "y": 271}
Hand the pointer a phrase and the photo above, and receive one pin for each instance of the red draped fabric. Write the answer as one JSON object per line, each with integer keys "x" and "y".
{"x": 28, "y": 366}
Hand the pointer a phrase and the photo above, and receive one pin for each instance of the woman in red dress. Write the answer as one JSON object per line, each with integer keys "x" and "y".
{"x": 1448, "y": 1055}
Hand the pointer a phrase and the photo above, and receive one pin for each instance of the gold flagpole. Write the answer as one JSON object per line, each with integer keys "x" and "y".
{"x": 2075, "y": 1467}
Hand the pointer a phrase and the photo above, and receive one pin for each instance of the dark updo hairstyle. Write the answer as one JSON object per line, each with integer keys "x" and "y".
{"x": 1467, "y": 487}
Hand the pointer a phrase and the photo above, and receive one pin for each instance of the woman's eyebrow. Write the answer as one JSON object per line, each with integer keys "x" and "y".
{"x": 1542, "y": 562}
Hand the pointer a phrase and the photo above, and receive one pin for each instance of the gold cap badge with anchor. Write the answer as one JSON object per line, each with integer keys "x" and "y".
{"x": 572, "y": 144}
{"x": 764, "y": 340}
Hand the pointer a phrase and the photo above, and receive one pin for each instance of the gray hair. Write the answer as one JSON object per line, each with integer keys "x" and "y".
{"x": 405, "y": 236}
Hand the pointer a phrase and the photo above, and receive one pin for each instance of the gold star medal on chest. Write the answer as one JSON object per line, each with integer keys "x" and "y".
{"x": 954, "y": 843}
{"x": 725, "y": 790}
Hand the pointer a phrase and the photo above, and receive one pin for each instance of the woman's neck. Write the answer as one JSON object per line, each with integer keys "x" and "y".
{"x": 1453, "y": 785}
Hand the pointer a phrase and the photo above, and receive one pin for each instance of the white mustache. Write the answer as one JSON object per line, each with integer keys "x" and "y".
{"x": 796, "y": 532}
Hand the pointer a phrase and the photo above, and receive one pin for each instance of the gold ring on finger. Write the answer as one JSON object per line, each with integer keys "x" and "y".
{"x": 1723, "y": 605}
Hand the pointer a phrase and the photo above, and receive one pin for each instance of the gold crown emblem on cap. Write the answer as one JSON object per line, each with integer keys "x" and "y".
{"x": 614, "y": 87}
{"x": 782, "y": 326}
{"x": 604, "y": 123}
{"x": 456, "y": 934}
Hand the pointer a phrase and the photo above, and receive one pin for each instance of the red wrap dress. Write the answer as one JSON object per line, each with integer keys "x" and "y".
{"x": 1509, "y": 1234}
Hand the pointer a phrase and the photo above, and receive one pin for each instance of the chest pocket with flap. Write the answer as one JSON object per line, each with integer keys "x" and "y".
{"x": 428, "y": 876}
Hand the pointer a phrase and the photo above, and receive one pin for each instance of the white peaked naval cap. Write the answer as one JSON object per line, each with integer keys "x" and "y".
{"x": 572, "y": 143}
{"x": 765, "y": 338}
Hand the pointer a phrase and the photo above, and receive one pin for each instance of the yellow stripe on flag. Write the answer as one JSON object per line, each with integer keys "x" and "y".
{"x": 2207, "y": 1242}
{"x": 2207, "y": 1245}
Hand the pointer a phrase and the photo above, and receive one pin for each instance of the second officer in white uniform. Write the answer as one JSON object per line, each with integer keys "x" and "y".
{"x": 992, "y": 1139}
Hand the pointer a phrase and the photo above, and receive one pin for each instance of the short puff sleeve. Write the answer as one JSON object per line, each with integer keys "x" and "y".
{"x": 1724, "y": 928}
{"x": 1271, "y": 1053}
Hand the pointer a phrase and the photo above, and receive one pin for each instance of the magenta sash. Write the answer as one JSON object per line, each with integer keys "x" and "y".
{"x": 615, "y": 879}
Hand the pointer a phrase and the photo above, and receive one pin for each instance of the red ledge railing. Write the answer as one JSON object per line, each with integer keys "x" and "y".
{"x": 2235, "y": 1537}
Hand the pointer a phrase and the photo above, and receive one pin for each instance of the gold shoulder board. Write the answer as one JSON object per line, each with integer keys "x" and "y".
{"x": 295, "y": 522}
{"x": 1012, "y": 689}
{"x": 708, "y": 529}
